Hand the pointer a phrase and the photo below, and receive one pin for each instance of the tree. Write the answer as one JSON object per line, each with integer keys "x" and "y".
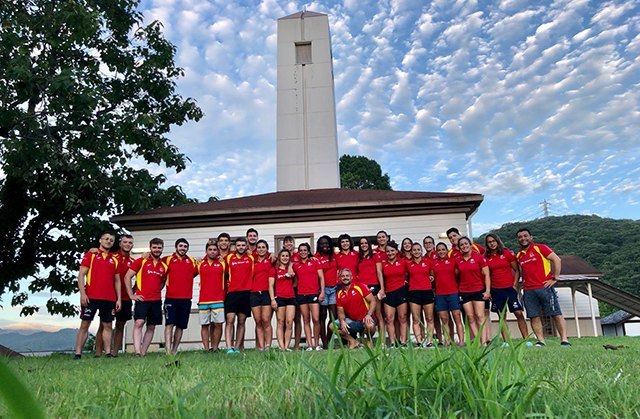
{"x": 87, "y": 90}
{"x": 359, "y": 172}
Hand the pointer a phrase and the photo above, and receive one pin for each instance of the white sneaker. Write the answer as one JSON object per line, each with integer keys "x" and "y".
{"x": 318, "y": 348}
{"x": 309, "y": 348}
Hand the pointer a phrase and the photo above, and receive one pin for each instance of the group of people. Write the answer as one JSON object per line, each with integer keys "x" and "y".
{"x": 353, "y": 293}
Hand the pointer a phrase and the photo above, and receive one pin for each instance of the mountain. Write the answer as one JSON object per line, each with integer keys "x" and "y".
{"x": 19, "y": 331}
{"x": 62, "y": 340}
{"x": 612, "y": 246}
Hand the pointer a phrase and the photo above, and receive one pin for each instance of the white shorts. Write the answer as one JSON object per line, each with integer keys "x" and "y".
{"x": 211, "y": 313}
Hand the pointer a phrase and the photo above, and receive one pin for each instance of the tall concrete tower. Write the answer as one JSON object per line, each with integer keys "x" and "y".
{"x": 306, "y": 127}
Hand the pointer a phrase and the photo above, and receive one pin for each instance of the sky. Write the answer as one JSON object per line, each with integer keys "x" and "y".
{"x": 520, "y": 101}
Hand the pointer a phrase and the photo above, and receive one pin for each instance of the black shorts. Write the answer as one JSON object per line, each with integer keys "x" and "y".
{"x": 283, "y": 302}
{"x": 421, "y": 297}
{"x": 396, "y": 298}
{"x": 238, "y": 302}
{"x": 106, "y": 308}
{"x": 501, "y": 297}
{"x": 150, "y": 311}
{"x": 466, "y": 297}
{"x": 308, "y": 299}
{"x": 125, "y": 314}
{"x": 260, "y": 298}
{"x": 375, "y": 289}
{"x": 177, "y": 312}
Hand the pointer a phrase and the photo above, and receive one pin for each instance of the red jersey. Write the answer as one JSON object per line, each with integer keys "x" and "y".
{"x": 329, "y": 269}
{"x": 180, "y": 273}
{"x": 380, "y": 256}
{"x": 455, "y": 252}
{"x": 349, "y": 261}
{"x": 444, "y": 271}
{"x": 500, "y": 269}
{"x": 262, "y": 271}
{"x": 470, "y": 271}
{"x": 535, "y": 267}
{"x": 240, "y": 270}
{"x": 284, "y": 284}
{"x": 353, "y": 301}
{"x": 211, "y": 281}
{"x": 419, "y": 275}
{"x": 308, "y": 280}
{"x": 150, "y": 275}
{"x": 367, "y": 273}
{"x": 100, "y": 279}
{"x": 395, "y": 274}
{"x": 124, "y": 263}
{"x": 295, "y": 258}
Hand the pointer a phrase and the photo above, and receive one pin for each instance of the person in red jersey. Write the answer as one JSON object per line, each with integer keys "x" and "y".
{"x": 310, "y": 294}
{"x": 263, "y": 273}
{"x": 454, "y": 235}
{"x": 237, "y": 304}
{"x": 99, "y": 285}
{"x": 505, "y": 274}
{"x": 444, "y": 272}
{"x": 289, "y": 243}
{"x": 125, "y": 313}
{"x": 429, "y": 247}
{"x": 252, "y": 241}
{"x": 356, "y": 306}
{"x": 150, "y": 274}
{"x": 540, "y": 268}
{"x": 211, "y": 299}
{"x": 379, "y": 256}
{"x": 420, "y": 296}
{"x": 224, "y": 244}
{"x": 325, "y": 256}
{"x": 283, "y": 298}
{"x": 395, "y": 275}
{"x": 346, "y": 256}
{"x": 405, "y": 249}
{"x": 474, "y": 286}
{"x": 368, "y": 276}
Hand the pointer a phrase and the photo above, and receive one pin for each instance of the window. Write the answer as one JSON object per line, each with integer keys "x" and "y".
{"x": 303, "y": 53}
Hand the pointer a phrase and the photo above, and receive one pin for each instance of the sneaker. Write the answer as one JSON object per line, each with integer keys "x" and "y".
{"x": 428, "y": 345}
{"x": 539, "y": 344}
{"x": 505, "y": 344}
{"x": 460, "y": 344}
{"x": 319, "y": 348}
{"x": 109, "y": 356}
{"x": 77, "y": 357}
{"x": 309, "y": 348}
{"x": 231, "y": 351}
{"x": 565, "y": 344}
{"x": 236, "y": 351}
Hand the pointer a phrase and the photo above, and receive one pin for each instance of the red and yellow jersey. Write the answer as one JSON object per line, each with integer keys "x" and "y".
{"x": 444, "y": 272}
{"x": 470, "y": 272}
{"x": 308, "y": 280}
{"x": 284, "y": 284}
{"x": 262, "y": 271}
{"x": 455, "y": 253}
{"x": 180, "y": 273}
{"x": 419, "y": 275}
{"x": 353, "y": 301}
{"x": 329, "y": 269}
{"x": 212, "y": 286}
{"x": 394, "y": 274}
{"x": 150, "y": 277}
{"x": 100, "y": 279}
{"x": 534, "y": 265}
{"x": 367, "y": 273}
{"x": 349, "y": 261}
{"x": 501, "y": 270}
{"x": 124, "y": 263}
{"x": 240, "y": 271}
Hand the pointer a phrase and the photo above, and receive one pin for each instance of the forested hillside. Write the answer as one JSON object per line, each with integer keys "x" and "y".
{"x": 612, "y": 246}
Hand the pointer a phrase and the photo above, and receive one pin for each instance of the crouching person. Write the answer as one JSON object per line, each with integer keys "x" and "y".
{"x": 356, "y": 306}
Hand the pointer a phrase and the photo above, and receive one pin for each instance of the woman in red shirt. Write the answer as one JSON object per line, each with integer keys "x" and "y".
{"x": 474, "y": 285}
{"x": 395, "y": 274}
{"x": 263, "y": 272}
{"x": 420, "y": 295}
{"x": 443, "y": 269}
{"x": 310, "y": 281}
{"x": 283, "y": 298}
{"x": 405, "y": 249}
{"x": 325, "y": 255}
{"x": 505, "y": 274}
{"x": 367, "y": 275}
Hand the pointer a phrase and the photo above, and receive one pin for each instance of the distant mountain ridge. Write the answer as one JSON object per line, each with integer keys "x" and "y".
{"x": 62, "y": 340}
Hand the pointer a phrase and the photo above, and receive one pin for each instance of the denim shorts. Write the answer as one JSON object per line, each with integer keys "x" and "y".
{"x": 541, "y": 301}
{"x": 355, "y": 326}
{"x": 448, "y": 302}
{"x": 329, "y": 295}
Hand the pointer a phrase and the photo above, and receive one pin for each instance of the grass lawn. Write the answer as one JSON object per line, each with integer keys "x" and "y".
{"x": 584, "y": 380}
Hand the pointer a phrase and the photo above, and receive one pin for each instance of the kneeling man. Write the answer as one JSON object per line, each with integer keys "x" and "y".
{"x": 356, "y": 306}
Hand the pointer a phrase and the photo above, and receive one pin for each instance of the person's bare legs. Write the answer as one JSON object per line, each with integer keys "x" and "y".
{"x": 137, "y": 335}
{"x": 481, "y": 325}
{"x": 177, "y": 338}
{"x": 281, "y": 314}
{"x": 471, "y": 319}
{"x": 99, "y": 341}
{"x": 447, "y": 334}
{"x": 255, "y": 311}
{"x": 229, "y": 330}
{"x": 147, "y": 338}
{"x": 486, "y": 327}
{"x": 323, "y": 324}
{"x": 288, "y": 326}
{"x": 216, "y": 336}
{"x": 118, "y": 336}
{"x": 168, "y": 338}
{"x": 561, "y": 325}
{"x": 297, "y": 323}
{"x": 81, "y": 336}
{"x": 381, "y": 320}
{"x": 240, "y": 331}
{"x": 315, "y": 319}
{"x": 536, "y": 325}
{"x": 416, "y": 314}
{"x": 266, "y": 314}
{"x": 305, "y": 313}
{"x": 107, "y": 333}
{"x": 402, "y": 310}
{"x": 429, "y": 319}
{"x": 522, "y": 324}
{"x": 205, "y": 335}
{"x": 457, "y": 319}
{"x": 390, "y": 319}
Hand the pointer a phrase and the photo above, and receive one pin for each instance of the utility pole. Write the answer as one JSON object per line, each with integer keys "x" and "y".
{"x": 545, "y": 208}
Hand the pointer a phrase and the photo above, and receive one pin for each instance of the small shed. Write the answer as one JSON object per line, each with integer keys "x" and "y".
{"x": 621, "y": 323}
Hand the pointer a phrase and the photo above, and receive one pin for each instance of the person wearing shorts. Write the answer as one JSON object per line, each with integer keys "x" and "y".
{"x": 447, "y": 299}
{"x": 260, "y": 301}
{"x": 540, "y": 268}
{"x": 475, "y": 288}
{"x": 395, "y": 274}
{"x": 356, "y": 306}
{"x": 420, "y": 296}
{"x": 283, "y": 298}
{"x": 329, "y": 265}
{"x": 310, "y": 294}
{"x": 237, "y": 304}
{"x": 211, "y": 299}
{"x": 99, "y": 285}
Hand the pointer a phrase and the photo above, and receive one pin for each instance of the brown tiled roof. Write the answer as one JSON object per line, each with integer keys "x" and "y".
{"x": 575, "y": 265}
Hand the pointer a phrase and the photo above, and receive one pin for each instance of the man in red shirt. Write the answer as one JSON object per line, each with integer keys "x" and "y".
{"x": 237, "y": 304}
{"x": 150, "y": 277}
{"x": 211, "y": 300}
{"x": 224, "y": 242}
{"x": 252, "y": 241}
{"x": 181, "y": 269}
{"x": 453, "y": 234}
{"x": 356, "y": 306}
{"x": 540, "y": 268}
{"x": 99, "y": 286}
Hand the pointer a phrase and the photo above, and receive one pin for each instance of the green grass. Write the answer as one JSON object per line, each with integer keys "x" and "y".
{"x": 582, "y": 381}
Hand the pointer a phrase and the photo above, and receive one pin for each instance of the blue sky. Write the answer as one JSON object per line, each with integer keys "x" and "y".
{"x": 520, "y": 101}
